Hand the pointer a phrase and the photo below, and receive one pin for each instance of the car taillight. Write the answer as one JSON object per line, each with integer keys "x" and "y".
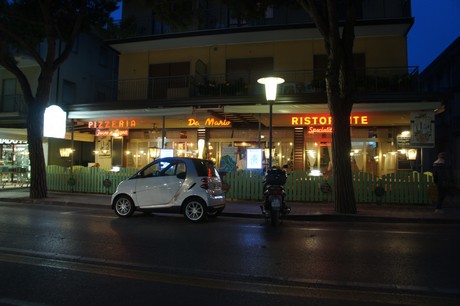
{"x": 205, "y": 184}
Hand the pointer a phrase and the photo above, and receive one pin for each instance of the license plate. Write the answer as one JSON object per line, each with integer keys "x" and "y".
{"x": 275, "y": 202}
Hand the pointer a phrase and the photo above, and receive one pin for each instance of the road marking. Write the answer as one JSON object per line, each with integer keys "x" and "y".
{"x": 294, "y": 289}
{"x": 86, "y": 213}
{"x": 375, "y": 231}
{"x": 6, "y": 301}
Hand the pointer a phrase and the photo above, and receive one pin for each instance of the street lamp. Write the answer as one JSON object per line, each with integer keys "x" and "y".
{"x": 271, "y": 85}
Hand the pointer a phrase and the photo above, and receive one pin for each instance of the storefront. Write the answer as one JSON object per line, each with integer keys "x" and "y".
{"x": 14, "y": 154}
{"x": 14, "y": 162}
{"x": 302, "y": 138}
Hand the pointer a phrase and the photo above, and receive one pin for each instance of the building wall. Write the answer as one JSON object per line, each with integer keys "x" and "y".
{"x": 31, "y": 72}
{"x": 85, "y": 65}
{"x": 443, "y": 76}
{"x": 90, "y": 61}
{"x": 288, "y": 55}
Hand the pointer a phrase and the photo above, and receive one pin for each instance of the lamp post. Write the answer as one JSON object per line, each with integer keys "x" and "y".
{"x": 271, "y": 85}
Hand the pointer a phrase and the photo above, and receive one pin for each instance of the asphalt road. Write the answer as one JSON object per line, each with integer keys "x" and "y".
{"x": 53, "y": 255}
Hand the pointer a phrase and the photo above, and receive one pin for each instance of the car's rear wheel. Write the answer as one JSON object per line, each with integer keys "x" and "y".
{"x": 195, "y": 210}
{"x": 124, "y": 206}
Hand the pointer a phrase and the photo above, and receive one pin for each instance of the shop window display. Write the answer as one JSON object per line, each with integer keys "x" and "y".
{"x": 15, "y": 164}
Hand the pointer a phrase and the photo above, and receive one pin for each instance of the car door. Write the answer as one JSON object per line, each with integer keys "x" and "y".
{"x": 158, "y": 183}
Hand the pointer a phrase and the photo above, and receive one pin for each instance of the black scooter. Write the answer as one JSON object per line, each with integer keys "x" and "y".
{"x": 275, "y": 206}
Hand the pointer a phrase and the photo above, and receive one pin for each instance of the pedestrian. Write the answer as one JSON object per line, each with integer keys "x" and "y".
{"x": 441, "y": 178}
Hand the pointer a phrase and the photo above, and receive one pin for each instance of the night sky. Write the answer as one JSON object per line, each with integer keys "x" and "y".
{"x": 436, "y": 26}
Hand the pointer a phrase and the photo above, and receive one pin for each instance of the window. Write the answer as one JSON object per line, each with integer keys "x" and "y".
{"x": 76, "y": 45}
{"x": 168, "y": 79}
{"x": 244, "y": 72}
{"x": 9, "y": 97}
{"x": 69, "y": 90}
{"x": 205, "y": 168}
{"x": 320, "y": 62}
{"x": 164, "y": 169}
{"x": 103, "y": 56}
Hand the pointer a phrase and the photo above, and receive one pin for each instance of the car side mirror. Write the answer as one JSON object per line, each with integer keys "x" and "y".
{"x": 181, "y": 175}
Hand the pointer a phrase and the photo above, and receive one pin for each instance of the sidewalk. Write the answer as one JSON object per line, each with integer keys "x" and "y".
{"x": 299, "y": 211}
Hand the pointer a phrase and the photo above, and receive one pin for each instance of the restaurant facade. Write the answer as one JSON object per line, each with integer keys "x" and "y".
{"x": 302, "y": 136}
{"x": 194, "y": 92}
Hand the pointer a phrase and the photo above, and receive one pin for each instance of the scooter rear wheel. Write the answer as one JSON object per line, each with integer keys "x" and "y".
{"x": 275, "y": 217}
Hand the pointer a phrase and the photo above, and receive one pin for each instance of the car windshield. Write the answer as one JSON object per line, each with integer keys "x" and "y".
{"x": 205, "y": 168}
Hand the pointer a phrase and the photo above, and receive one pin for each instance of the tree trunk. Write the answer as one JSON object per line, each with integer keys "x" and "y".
{"x": 339, "y": 84}
{"x": 343, "y": 177}
{"x": 38, "y": 186}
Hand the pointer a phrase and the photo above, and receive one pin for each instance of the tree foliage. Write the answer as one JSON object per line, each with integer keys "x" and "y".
{"x": 24, "y": 25}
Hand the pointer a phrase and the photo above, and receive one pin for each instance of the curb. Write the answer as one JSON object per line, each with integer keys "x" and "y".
{"x": 316, "y": 217}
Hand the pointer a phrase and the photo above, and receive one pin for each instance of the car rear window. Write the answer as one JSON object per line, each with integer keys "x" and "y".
{"x": 205, "y": 168}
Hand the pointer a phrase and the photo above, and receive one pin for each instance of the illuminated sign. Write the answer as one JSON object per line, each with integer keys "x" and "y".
{"x": 54, "y": 122}
{"x": 254, "y": 158}
{"x": 325, "y": 120}
{"x": 322, "y": 124}
{"x": 115, "y": 133}
{"x": 319, "y": 130}
{"x": 12, "y": 141}
{"x": 209, "y": 122}
{"x": 112, "y": 124}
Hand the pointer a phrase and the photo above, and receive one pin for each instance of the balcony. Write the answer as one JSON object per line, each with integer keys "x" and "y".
{"x": 300, "y": 84}
{"x": 218, "y": 17}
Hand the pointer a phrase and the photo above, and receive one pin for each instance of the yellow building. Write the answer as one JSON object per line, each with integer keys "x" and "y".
{"x": 176, "y": 87}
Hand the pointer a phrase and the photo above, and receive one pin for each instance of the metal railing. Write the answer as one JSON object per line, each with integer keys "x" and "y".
{"x": 301, "y": 82}
{"x": 220, "y": 18}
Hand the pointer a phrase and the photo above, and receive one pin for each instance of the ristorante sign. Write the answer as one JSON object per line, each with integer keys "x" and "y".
{"x": 322, "y": 124}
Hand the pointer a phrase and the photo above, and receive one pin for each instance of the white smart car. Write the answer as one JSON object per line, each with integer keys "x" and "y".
{"x": 173, "y": 184}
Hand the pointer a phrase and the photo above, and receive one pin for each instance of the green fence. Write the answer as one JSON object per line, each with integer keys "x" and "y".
{"x": 401, "y": 188}
{"x": 83, "y": 179}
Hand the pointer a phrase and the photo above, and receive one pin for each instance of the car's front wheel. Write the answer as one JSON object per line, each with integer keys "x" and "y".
{"x": 124, "y": 206}
{"x": 195, "y": 210}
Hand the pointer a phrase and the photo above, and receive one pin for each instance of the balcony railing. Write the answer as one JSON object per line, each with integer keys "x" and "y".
{"x": 304, "y": 82}
{"x": 220, "y": 18}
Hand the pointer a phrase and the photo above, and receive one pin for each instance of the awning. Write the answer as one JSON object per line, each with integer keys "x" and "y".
{"x": 13, "y": 134}
{"x": 323, "y": 108}
{"x": 123, "y": 113}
